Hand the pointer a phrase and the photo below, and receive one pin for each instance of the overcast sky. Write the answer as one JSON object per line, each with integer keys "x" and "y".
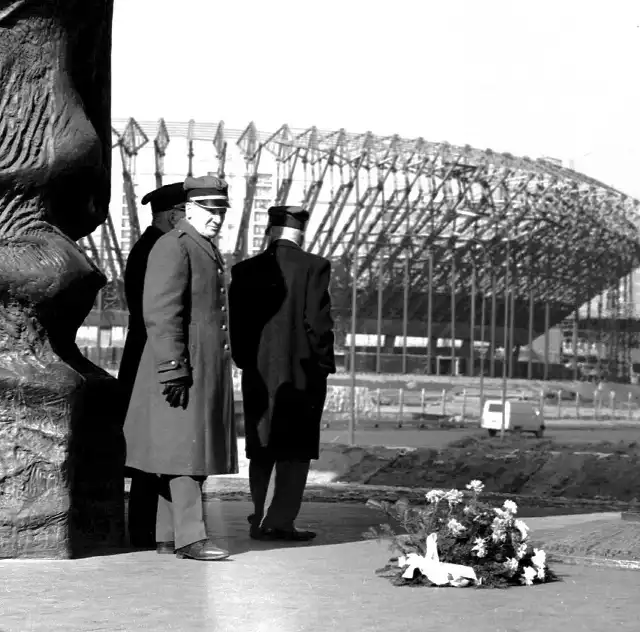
{"x": 552, "y": 77}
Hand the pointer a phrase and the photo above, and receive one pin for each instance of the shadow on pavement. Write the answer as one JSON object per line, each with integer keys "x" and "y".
{"x": 334, "y": 523}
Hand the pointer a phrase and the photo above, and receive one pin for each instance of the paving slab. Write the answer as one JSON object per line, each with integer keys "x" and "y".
{"x": 319, "y": 586}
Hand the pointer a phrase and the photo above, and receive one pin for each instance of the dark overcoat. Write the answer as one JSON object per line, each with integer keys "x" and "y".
{"x": 133, "y": 286}
{"x": 282, "y": 339}
{"x": 186, "y": 317}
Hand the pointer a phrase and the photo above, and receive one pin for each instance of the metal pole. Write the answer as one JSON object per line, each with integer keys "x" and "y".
{"x": 430, "y": 316}
{"x": 531, "y": 315}
{"x": 505, "y": 324}
{"x": 453, "y": 311}
{"x": 512, "y": 334}
{"x": 98, "y": 331}
{"x": 379, "y": 322}
{"x": 483, "y": 350}
{"x": 354, "y": 305}
{"x": 472, "y": 330}
{"x": 494, "y": 307}
{"x": 405, "y": 311}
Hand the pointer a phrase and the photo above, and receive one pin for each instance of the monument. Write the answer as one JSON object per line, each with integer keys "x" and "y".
{"x": 61, "y": 444}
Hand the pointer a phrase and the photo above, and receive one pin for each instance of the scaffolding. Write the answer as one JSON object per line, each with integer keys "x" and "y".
{"x": 477, "y": 253}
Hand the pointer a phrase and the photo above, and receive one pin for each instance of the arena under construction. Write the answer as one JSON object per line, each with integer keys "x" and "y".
{"x": 446, "y": 259}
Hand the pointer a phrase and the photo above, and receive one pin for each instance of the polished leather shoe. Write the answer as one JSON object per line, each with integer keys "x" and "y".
{"x": 166, "y": 548}
{"x": 203, "y": 550}
{"x": 255, "y": 530}
{"x": 286, "y": 535}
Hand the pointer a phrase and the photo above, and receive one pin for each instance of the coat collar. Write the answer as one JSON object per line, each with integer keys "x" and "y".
{"x": 184, "y": 226}
{"x": 284, "y": 243}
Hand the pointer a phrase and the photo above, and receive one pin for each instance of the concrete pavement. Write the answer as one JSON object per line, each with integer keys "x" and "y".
{"x": 319, "y": 586}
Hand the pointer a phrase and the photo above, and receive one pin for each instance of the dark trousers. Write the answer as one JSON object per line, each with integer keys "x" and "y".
{"x": 143, "y": 508}
{"x": 180, "y": 516}
{"x": 290, "y": 481}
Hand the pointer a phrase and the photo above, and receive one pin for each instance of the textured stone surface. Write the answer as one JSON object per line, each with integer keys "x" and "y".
{"x": 60, "y": 447}
{"x": 62, "y": 460}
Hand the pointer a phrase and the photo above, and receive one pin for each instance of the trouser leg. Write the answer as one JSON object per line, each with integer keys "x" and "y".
{"x": 291, "y": 479}
{"x": 188, "y": 514}
{"x": 164, "y": 514}
{"x": 143, "y": 499}
{"x": 260, "y": 470}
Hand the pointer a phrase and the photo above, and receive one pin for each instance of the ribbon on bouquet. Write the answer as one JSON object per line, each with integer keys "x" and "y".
{"x": 437, "y": 572}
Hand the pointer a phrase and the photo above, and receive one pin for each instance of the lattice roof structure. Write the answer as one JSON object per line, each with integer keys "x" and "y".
{"x": 433, "y": 223}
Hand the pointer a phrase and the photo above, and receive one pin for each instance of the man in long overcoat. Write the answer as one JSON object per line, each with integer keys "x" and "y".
{"x": 180, "y": 423}
{"x": 167, "y": 208}
{"x": 282, "y": 339}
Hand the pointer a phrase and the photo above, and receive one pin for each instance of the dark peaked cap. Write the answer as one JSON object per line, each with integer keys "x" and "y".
{"x": 209, "y": 191}
{"x": 288, "y": 216}
{"x": 166, "y": 197}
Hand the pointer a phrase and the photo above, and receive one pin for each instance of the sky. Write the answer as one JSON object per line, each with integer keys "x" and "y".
{"x": 555, "y": 78}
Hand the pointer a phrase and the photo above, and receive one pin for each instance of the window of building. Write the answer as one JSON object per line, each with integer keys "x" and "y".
{"x": 257, "y": 242}
{"x": 260, "y": 217}
{"x": 257, "y": 229}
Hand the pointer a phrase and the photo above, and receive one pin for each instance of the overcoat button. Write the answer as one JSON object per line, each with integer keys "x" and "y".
{"x": 224, "y": 328}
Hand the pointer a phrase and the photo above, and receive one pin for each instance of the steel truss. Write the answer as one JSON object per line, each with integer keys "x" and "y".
{"x": 452, "y": 242}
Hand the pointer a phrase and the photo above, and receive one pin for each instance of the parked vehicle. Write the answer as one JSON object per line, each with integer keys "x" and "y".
{"x": 520, "y": 416}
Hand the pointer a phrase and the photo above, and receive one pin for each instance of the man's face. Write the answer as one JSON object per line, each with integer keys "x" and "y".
{"x": 207, "y": 221}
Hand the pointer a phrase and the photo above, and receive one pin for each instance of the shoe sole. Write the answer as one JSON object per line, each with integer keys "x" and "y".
{"x": 184, "y": 556}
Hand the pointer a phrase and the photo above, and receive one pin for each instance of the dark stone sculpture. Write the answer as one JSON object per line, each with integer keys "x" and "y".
{"x": 61, "y": 444}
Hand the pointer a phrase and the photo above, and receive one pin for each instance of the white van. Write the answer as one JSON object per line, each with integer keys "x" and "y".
{"x": 522, "y": 416}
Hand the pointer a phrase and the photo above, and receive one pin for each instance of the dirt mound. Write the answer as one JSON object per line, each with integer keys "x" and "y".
{"x": 604, "y": 470}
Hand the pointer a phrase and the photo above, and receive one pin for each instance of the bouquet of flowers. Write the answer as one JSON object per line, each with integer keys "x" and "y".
{"x": 457, "y": 540}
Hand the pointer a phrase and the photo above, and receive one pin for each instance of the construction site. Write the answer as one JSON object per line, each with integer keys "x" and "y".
{"x": 447, "y": 260}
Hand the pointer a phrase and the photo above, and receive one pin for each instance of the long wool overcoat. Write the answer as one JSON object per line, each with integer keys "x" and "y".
{"x": 133, "y": 287}
{"x": 282, "y": 339}
{"x": 185, "y": 313}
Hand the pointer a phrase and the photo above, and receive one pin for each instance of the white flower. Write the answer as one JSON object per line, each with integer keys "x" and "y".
{"x": 511, "y": 565}
{"x": 521, "y": 550}
{"x": 539, "y": 558}
{"x": 435, "y": 495}
{"x": 467, "y": 510}
{"x": 453, "y": 497}
{"x": 498, "y": 535}
{"x": 541, "y": 573}
{"x": 475, "y": 486}
{"x": 502, "y": 513}
{"x": 522, "y": 527}
{"x": 479, "y": 547}
{"x": 455, "y": 527}
{"x": 528, "y": 575}
{"x": 510, "y": 506}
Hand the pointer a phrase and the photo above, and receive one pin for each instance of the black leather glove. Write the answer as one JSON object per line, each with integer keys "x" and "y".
{"x": 176, "y": 392}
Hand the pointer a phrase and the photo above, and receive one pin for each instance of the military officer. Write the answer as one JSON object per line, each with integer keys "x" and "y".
{"x": 180, "y": 424}
{"x": 282, "y": 339}
{"x": 167, "y": 208}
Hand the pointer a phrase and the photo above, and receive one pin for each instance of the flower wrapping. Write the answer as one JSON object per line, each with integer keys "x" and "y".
{"x": 437, "y": 572}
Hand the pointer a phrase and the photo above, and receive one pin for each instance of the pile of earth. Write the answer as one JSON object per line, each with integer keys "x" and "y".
{"x": 597, "y": 471}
